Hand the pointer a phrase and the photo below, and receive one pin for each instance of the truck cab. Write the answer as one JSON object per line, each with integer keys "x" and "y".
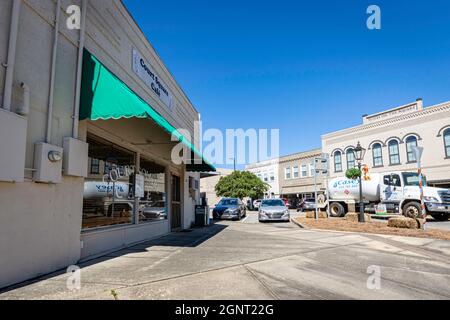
{"x": 400, "y": 191}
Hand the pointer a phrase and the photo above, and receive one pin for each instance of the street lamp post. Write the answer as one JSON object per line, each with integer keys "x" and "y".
{"x": 359, "y": 155}
{"x": 418, "y": 151}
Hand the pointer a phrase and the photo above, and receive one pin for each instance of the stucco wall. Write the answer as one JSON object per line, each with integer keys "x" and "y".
{"x": 39, "y": 228}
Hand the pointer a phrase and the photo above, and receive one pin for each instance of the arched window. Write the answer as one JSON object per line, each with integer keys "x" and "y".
{"x": 350, "y": 158}
{"x": 337, "y": 161}
{"x": 447, "y": 142}
{"x": 411, "y": 142}
{"x": 394, "y": 154}
{"x": 377, "y": 154}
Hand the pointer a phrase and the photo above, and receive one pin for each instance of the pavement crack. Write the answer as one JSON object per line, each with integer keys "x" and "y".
{"x": 262, "y": 283}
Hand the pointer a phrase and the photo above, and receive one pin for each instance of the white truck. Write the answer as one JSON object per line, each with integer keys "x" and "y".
{"x": 397, "y": 192}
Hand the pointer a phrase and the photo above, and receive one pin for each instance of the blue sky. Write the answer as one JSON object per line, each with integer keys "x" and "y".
{"x": 305, "y": 67}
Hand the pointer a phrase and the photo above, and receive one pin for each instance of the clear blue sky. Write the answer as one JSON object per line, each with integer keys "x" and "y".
{"x": 305, "y": 67}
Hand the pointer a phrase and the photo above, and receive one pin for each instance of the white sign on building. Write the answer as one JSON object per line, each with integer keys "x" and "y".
{"x": 145, "y": 71}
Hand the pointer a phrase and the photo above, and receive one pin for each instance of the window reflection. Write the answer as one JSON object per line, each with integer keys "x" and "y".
{"x": 108, "y": 196}
{"x": 152, "y": 201}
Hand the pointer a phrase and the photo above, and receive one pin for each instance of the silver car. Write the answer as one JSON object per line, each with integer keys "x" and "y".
{"x": 273, "y": 210}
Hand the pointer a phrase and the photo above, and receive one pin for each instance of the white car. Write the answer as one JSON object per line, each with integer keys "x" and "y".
{"x": 273, "y": 210}
{"x": 256, "y": 204}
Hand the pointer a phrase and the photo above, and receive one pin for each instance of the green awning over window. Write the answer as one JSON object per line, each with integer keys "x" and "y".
{"x": 104, "y": 96}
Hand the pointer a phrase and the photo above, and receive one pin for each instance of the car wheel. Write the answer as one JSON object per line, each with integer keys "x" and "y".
{"x": 337, "y": 210}
{"x": 412, "y": 210}
{"x": 441, "y": 216}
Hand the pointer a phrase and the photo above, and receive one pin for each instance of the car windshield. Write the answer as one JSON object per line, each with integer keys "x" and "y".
{"x": 228, "y": 202}
{"x": 272, "y": 203}
{"x": 412, "y": 179}
{"x": 158, "y": 204}
{"x": 310, "y": 200}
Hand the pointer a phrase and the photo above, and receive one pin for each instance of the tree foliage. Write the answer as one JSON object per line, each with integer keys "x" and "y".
{"x": 241, "y": 184}
{"x": 353, "y": 173}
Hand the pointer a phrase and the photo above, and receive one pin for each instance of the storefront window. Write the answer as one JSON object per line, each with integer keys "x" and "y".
{"x": 151, "y": 189}
{"x": 108, "y": 195}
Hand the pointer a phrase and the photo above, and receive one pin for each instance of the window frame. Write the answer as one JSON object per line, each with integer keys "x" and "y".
{"x": 374, "y": 157}
{"x": 445, "y": 134}
{"x": 390, "y": 143}
{"x": 287, "y": 173}
{"x": 350, "y": 151}
{"x": 295, "y": 172}
{"x": 411, "y": 153}
{"x": 304, "y": 166}
{"x": 340, "y": 161}
{"x": 97, "y": 165}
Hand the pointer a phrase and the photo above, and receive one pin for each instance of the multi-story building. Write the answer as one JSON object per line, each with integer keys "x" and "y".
{"x": 208, "y": 186}
{"x": 267, "y": 171}
{"x": 296, "y": 172}
{"x": 88, "y": 118}
{"x": 389, "y": 138}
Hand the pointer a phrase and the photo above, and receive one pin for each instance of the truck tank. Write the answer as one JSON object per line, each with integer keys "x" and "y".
{"x": 99, "y": 189}
{"x": 346, "y": 189}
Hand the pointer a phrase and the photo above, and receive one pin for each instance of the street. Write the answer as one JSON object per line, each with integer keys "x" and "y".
{"x": 249, "y": 260}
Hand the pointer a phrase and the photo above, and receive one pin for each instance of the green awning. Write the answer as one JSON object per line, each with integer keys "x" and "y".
{"x": 104, "y": 96}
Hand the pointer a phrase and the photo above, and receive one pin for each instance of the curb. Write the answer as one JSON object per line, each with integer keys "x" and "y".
{"x": 298, "y": 223}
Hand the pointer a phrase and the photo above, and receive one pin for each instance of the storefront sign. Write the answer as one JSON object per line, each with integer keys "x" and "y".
{"x": 140, "y": 182}
{"x": 145, "y": 71}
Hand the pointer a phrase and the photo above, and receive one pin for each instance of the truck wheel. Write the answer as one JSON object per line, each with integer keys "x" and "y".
{"x": 337, "y": 210}
{"x": 412, "y": 210}
{"x": 441, "y": 216}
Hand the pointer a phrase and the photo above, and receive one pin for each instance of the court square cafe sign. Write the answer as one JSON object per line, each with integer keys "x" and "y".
{"x": 145, "y": 71}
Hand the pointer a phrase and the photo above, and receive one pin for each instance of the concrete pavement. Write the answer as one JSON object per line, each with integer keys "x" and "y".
{"x": 248, "y": 260}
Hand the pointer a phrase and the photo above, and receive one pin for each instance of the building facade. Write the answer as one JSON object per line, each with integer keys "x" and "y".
{"x": 267, "y": 171}
{"x": 88, "y": 123}
{"x": 208, "y": 186}
{"x": 389, "y": 138}
{"x": 296, "y": 174}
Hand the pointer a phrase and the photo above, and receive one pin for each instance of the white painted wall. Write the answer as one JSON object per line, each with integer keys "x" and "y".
{"x": 269, "y": 167}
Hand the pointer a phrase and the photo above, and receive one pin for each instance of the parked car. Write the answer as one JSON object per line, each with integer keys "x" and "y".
{"x": 256, "y": 204}
{"x": 230, "y": 208}
{"x": 155, "y": 211}
{"x": 273, "y": 210}
{"x": 286, "y": 202}
{"x": 307, "y": 204}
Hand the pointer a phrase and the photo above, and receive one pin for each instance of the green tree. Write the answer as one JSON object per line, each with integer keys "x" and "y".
{"x": 241, "y": 184}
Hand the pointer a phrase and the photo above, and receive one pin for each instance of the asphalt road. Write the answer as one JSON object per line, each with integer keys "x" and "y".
{"x": 248, "y": 260}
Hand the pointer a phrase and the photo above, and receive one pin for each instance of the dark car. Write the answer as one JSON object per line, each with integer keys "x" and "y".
{"x": 230, "y": 208}
{"x": 307, "y": 204}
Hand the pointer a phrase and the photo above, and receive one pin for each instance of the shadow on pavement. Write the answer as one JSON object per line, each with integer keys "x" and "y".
{"x": 186, "y": 238}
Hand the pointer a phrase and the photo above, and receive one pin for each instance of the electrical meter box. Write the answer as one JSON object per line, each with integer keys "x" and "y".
{"x": 47, "y": 163}
{"x": 13, "y": 142}
{"x": 75, "y": 160}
